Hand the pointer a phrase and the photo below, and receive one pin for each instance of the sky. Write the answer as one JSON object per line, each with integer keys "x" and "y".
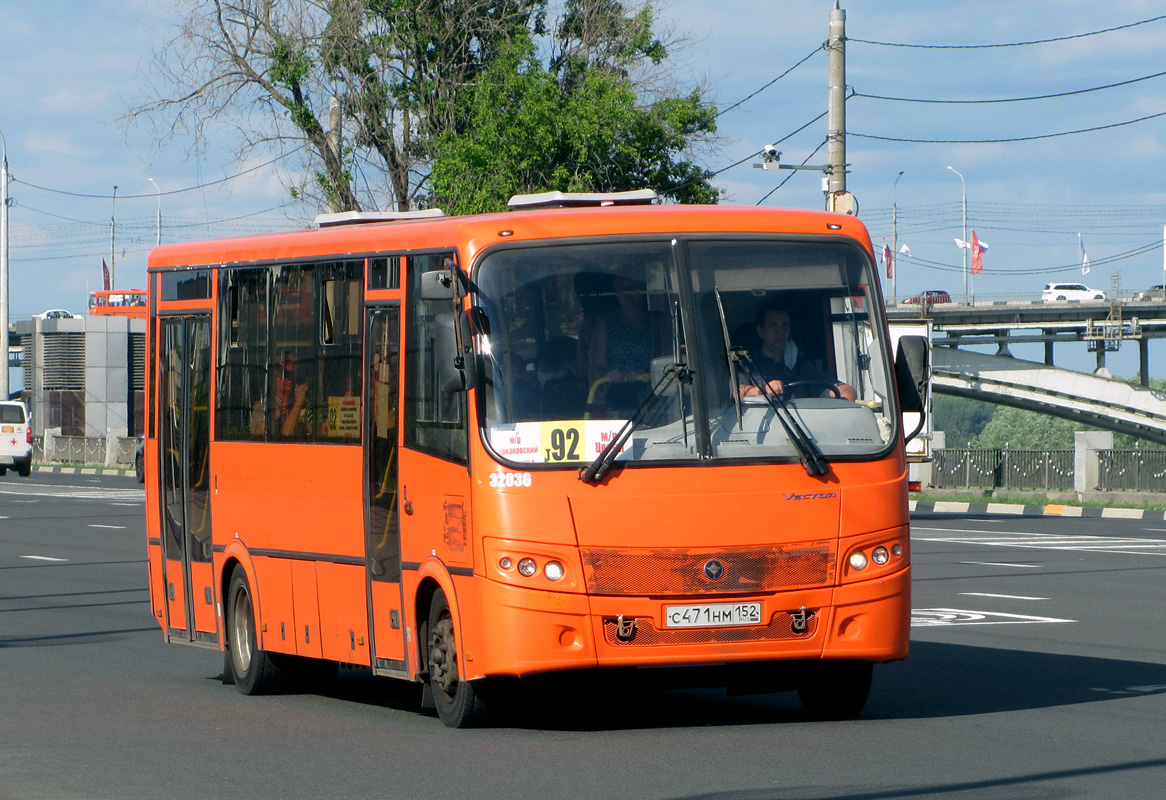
{"x": 71, "y": 69}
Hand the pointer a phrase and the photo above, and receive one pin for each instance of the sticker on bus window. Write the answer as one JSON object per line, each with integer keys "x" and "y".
{"x": 554, "y": 441}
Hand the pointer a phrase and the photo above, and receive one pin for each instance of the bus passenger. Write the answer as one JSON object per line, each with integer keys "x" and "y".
{"x": 779, "y": 362}
{"x": 290, "y": 395}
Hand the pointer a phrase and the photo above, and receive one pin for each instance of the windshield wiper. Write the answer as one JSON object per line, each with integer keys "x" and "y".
{"x": 594, "y": 472}
{"x": 732, "y": 355}
{"x": 812, "y": 459}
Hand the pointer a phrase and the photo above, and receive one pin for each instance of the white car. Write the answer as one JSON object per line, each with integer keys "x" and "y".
{"x": 15, "y": 438}
{"x": 1070, "y": 291}
{"x": 57, "y": 313}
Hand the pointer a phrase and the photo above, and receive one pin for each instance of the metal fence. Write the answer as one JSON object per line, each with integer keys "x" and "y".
{"x": 998, "y": 468}
{"x": 1131, "y": 470}
{"x": 87, "y": 450}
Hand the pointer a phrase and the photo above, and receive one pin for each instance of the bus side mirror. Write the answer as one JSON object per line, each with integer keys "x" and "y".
{"x": 437, "y": 284}
{"x": 911, "y": 373}
{"x": 455, "y": 370}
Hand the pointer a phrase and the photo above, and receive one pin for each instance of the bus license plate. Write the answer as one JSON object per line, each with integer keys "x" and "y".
{"x": 712, "y": 614}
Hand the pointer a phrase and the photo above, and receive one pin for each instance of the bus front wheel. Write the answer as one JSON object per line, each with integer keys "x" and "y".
{"x": 456, "y": 699}
{"x": 254, "y": 671}
{"x": 835, "y": 689}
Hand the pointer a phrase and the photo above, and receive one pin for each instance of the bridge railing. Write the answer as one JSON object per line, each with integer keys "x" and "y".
{"x": 1001, "y": 468}
{"x": 1131, "y": 470}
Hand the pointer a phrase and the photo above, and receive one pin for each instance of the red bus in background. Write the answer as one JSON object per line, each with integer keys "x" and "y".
{"x": 118, "y": 303}
{"x": 464, "y": 450}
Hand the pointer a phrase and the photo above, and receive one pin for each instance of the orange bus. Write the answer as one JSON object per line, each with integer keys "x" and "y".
{"x": 118, "y": 303}
{"x": 465, "y": 451}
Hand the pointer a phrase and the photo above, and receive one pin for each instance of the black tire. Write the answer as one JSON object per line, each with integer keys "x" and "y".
{"x": 25, "y": 469}
{"x": 457, "y": 702}
{"x": 139, "y": 468}
{"x": 253, "y": 671}
{"x": 835, "y": 689}
{"x": 1061, "y": 297}
{"x": 3, "y": 471}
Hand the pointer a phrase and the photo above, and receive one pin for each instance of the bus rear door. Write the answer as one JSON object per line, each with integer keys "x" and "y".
{"x": 185, "y": 350}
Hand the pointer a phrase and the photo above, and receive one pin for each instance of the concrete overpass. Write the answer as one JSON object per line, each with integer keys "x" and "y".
{"x": 1089, "y": 399}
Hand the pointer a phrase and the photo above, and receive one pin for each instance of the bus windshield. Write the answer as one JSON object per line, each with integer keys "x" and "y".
{"x": 693, "y": 337}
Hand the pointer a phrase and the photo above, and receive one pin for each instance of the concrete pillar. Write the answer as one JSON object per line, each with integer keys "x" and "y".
{"x": 1101, "y": 359}
{"x": 1144, "y": 360}
{"x": 1085, "y": 466}
{"x": 1049, "y": 353}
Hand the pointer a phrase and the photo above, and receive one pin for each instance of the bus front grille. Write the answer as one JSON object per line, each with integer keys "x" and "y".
{"x": 735, "y": 571}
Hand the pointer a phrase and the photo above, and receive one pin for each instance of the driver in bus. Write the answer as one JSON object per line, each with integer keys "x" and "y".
{"x": 780, "y": 363}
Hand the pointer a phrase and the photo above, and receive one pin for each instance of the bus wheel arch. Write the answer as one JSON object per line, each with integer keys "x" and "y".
{"x": 252, "y": 669}
{"x": 455, "y": 698}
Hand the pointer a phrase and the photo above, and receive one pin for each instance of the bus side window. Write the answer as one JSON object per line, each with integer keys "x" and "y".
{"x": 435, "y": 420}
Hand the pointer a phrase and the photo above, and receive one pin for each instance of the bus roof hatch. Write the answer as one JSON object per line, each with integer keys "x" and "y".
{"x": 638, "y": 197}
{"x": 354, "y": 217}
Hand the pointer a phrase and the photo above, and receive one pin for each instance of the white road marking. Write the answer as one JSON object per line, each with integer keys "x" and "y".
{"x": 1002, "y": 564}
{"x": 45, "y": 558}
{"x": 936, "y": 617}
{"x": 41, "y": 490}
{"x": 115, "y": 527}
{"x": 1003, "y": 596}
{"x": 1043, "y": 541}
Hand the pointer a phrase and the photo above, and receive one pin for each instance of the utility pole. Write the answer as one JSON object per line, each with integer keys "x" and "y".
{"x": 113, "y": 242}
{"x": 4, "y": 389}
{"x": 837, "y": 198}
{"x": 966, "y": 246}
{"x": 895, "y": 240}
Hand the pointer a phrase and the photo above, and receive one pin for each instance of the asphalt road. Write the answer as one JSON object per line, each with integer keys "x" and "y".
{"x": 1038, "y": 670}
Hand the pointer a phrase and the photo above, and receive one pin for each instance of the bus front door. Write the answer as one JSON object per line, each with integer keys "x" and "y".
{"x": 184, "y": 433}
{"x": 382, "y": 522}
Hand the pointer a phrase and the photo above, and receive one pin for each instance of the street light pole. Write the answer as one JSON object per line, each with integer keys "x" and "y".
{"x": 966, "y": 246}
{"x": 113, "y": 241}
{"x": 158, "y": 228}
{"x": 4, "y": 388}
{"x": 895, "y": 240}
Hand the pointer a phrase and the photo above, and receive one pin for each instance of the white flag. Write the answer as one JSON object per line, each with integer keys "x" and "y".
{"x": 1084, "y": 258}
{"x": 961, "y": 243}
{"x": 905, "y": 250}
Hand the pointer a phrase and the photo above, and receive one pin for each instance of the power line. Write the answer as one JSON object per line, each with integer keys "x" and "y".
{"x": 1008, "y": 99}
{"x": 1009, "y": 44}
{"x": 1010, "y": 139}
{"x": 811, "y": 54}
{"x": 159, "y": 194}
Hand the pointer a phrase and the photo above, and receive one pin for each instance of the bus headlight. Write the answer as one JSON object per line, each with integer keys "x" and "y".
{"x": 880, "y": 556}
{"x": 553, "y": 570}
{"x": 857, "y": 560}
{"x": 527, "y": 567}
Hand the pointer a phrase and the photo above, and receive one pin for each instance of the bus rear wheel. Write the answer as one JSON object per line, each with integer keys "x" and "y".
{"x": 456, "y": 699}
{"x": 835, "y": 689}
{"x": 254, "y": 671}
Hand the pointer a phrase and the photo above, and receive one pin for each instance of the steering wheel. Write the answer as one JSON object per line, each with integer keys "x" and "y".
{"x": 827, "y": 385}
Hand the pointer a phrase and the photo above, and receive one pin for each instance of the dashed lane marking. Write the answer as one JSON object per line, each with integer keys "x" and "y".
{"x": 1002, "y": 596}
{"x": 1001, "y": 564}
{"x": 44, "y": 558}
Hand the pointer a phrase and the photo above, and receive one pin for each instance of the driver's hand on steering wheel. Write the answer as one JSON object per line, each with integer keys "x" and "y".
{"x": 773, "y": 387}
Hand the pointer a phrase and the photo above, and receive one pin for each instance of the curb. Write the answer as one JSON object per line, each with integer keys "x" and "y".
{"x": 1049, "y": 510}
{"x": 83, "y": 470}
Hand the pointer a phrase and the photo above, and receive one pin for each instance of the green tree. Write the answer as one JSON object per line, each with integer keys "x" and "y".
{"x": 960, "y": 418}
{"x": 531, "y": 128}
